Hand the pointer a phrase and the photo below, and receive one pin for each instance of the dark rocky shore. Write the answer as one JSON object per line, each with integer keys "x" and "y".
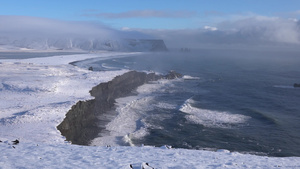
{"x": 81, "y": 124}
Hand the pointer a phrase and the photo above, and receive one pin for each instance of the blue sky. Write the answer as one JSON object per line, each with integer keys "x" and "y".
{"x": 152, "y": 14}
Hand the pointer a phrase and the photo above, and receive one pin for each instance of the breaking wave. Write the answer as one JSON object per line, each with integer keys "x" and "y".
{"x": 130, "y": 121}
{"x": 187, "y": 77}
{"x": 211, "y": 118}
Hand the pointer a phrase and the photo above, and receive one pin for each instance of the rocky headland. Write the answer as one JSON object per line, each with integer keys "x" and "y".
{"x": 81, "y": 124}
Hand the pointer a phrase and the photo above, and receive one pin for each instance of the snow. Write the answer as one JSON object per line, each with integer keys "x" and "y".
{"x": 35, "y": 95}
{"x": 42, "y": 155}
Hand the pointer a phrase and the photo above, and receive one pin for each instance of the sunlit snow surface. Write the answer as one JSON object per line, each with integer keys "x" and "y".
{"x": 35, "y": 95}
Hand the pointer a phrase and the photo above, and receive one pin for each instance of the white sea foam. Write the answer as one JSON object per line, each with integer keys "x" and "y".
{"x": 128, "y": 123}
{"x": 211, "y": 118}
{"x": 188, "y": 77}
{"x": 108, "y": 67}
{"x": 131, "y": 112}
{"x": 159, "y": 86}
{"x": 164, "y": 105}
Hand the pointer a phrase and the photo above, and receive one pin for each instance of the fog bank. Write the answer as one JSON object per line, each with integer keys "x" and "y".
{"x": 253, "y": 32}
{"x": 256, "y": 32}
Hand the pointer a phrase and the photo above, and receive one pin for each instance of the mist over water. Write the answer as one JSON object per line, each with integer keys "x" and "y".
{"x": 240, "y": 100}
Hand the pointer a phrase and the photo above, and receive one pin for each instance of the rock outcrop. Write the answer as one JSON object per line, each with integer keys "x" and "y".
{"x": 153, "y": 45}
{"x": 81, "y": 123}
{"x": 297, "y": 85}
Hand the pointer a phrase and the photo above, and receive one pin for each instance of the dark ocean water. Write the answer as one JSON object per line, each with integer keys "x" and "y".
{"x": 228, "y": 99}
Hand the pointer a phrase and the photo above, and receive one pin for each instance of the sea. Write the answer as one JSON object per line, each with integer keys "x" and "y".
{"x": 240, "y": 100}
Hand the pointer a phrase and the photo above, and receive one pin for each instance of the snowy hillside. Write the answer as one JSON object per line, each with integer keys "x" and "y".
{"x": 35, "y": 95}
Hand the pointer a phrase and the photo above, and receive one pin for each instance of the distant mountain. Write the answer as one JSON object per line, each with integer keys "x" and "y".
{"x": 34, "y": 33}
{"x": 84, "y": 44}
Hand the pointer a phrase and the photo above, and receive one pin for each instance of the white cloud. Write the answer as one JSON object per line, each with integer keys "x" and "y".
{"x": 34, "y": 27}
{"x": 270, "y": 29}
{"x": 43, "y": 27}
{"x": 295, "y": 13}
{"x": 210, "y": 28}
{"x": 293, "y": 19}
{"x": 125, "y": 28}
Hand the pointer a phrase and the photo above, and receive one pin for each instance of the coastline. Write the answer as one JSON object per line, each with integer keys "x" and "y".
{"x": 81, "y": 124}
{"x": 42, "y": 145}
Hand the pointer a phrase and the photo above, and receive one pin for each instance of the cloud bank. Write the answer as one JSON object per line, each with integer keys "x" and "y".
{"x": 241, "y": 32}
{"x": 43, "y": 34}
{"x": 22, "y": 26}
{"x": 142, "y": 14}
{"x": 254, "y": 31}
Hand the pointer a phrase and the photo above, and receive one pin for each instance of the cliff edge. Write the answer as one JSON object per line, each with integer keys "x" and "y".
{"x": 81, "y": 124}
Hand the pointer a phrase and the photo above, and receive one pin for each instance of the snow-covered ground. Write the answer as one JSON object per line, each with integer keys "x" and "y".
{"x": 35, "y": 95}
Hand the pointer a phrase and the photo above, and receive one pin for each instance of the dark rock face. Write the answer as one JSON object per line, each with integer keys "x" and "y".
{"x": 173, "y": 75}
{"x": 80, "y": 125}
{"x": 153, "y": 45}
{"x": 297, "y": 85}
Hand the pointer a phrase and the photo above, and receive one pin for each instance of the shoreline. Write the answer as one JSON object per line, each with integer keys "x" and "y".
{"x": 42, "y": 145}
{"x": 28, "y": 54}
{"x": 81, "y": 124}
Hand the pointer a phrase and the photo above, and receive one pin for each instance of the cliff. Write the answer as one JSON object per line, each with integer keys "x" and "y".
{"x": 80, "y": 125}
{"x": 153, "y": 45}
{"x": 86, "y": 44}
